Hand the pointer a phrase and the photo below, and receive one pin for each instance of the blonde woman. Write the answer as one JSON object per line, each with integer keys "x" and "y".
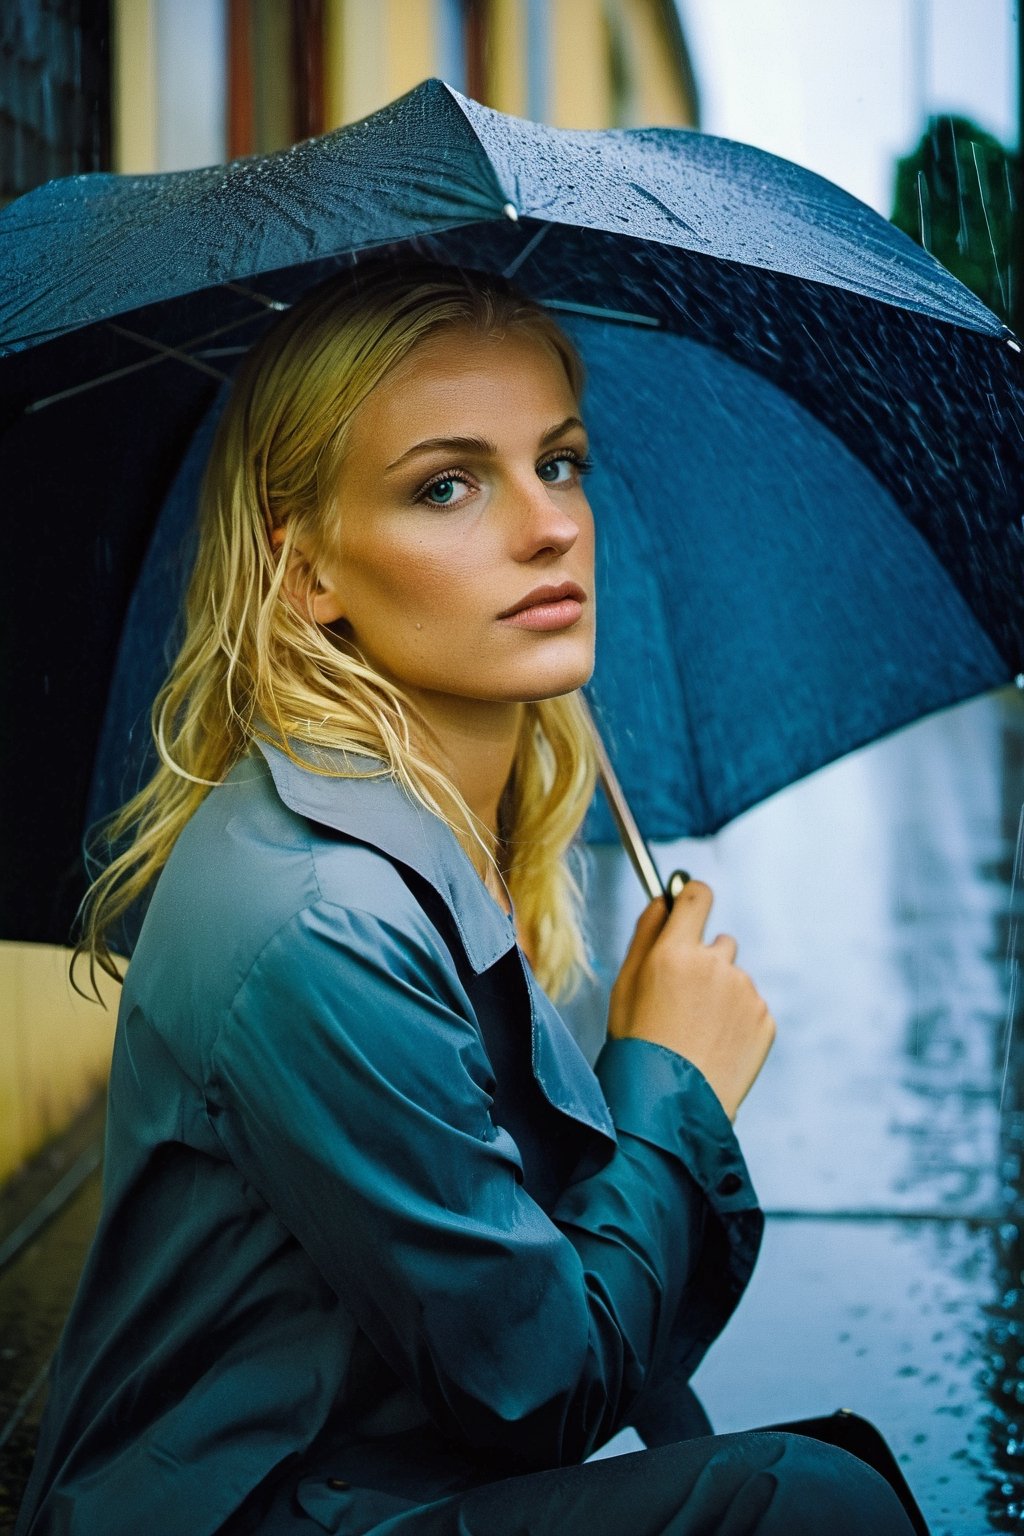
{"x": 379, "y": 1251}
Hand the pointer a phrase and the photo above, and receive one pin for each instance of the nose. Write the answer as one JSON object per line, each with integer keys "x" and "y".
{"x": 541, "y": 519}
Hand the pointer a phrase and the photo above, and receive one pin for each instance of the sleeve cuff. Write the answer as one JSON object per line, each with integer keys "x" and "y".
{"x": 659, "y": 1096}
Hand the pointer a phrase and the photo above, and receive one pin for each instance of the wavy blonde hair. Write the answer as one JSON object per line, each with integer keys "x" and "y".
{"x": 252, "y": 664}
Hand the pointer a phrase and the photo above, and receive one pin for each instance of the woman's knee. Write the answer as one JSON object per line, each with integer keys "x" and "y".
{"x": 822, "y": 1488}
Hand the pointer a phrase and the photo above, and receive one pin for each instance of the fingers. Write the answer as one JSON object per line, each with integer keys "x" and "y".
{"x": 767, "y": 1040}
{"x": 727, "y": 944}
{"x": 690, "y": 911}
{"x": 649, "y": 925}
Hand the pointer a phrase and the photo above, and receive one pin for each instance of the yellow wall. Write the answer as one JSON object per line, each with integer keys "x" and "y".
{"x": 506, "y": 66}
{"x": 375, "y": 50}
{"x": 659, "y": 96}
{"x": 54, "y": 1048}
{"x": 578, "y": 74}
{"x": 133, "y": 85}
{"x": 580, "y": 83}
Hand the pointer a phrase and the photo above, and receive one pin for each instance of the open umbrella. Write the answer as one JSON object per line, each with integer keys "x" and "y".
{"x": 809, "y": 440}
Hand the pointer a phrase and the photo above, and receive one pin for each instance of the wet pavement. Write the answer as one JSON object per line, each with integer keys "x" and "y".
{"x": 873, "y": 906}
{"x": 47, "y": 1215}
{"x": 876, "y": 909}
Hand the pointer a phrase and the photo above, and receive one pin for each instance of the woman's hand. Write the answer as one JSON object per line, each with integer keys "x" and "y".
{"x": 677, "y": 991}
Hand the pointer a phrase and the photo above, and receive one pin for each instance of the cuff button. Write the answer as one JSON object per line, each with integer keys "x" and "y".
{"x": 338, "y": 1484}
{"x": 729, "y": 1184}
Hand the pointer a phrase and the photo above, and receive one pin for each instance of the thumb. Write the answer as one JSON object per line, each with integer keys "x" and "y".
{"x": 649, "y": 925}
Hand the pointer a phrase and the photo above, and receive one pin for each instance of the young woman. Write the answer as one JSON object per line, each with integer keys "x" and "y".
{"x": 379, "y": 1251}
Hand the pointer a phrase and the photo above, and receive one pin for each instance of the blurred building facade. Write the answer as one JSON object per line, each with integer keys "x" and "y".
{"x": 160, "y": 85}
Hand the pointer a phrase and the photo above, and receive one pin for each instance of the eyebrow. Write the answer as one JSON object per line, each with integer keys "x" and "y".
{"x": 478, "y": 445}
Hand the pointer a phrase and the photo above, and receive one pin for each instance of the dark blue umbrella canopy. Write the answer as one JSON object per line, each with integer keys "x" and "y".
{"x": 808, "y": 439}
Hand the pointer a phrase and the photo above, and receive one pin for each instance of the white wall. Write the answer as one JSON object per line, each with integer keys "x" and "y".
{"x": 845, "y": 86}
{"x": 191, "y": 48}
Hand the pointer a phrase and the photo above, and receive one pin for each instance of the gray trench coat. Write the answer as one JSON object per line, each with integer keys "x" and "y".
{"x": 371, "y": 1223}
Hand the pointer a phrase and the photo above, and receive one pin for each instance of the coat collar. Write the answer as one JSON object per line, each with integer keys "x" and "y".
{"x": 373, "y": 808}
{"x": 377, "y": 810}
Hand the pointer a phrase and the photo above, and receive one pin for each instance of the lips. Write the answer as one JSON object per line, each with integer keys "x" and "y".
{"x": 544, "y": 595}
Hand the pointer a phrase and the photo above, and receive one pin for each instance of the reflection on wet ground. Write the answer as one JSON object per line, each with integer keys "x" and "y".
{"x": 874, "y": 908}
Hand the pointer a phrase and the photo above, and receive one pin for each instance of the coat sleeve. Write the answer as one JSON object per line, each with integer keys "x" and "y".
{"x": 351, "y": 1088}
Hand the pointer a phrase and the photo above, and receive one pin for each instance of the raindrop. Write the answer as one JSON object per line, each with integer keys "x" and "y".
{"x": 924, "y": 211}
{"x": 988, "y": 227}
{"x": 963, "y": 233}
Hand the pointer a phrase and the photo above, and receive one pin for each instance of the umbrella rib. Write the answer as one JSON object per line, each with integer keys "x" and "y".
{"x": 145, "y": 362}
{"x": 527, "y": 251}
{"x": 81, "y": 389}
{"x": 625, "y": 316}
{"x": 161, "y": 354}
{"x": 258, "y": 298}
{"x": 168, "y": 351}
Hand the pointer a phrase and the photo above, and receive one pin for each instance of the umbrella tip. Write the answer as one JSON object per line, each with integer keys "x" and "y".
{"x": 511, "y": 212}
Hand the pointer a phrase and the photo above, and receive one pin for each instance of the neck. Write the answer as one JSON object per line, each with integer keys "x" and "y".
{"x": 479, "y": 739}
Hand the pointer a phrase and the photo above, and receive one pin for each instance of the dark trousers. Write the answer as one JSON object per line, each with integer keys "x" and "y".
{"x": 759, "y": 1483}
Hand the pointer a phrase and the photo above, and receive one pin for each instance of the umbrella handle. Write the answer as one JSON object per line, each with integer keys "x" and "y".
{"x": 632, "y": 838}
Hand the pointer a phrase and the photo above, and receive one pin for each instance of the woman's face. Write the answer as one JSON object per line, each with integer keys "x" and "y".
{"x": 461, "y": 500}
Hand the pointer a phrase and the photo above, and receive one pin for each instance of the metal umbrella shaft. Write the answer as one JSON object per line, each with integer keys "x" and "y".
{"x": 632, "y": 838}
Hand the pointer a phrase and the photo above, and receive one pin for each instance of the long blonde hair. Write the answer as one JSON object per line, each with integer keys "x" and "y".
{"x": 253, "y": 664}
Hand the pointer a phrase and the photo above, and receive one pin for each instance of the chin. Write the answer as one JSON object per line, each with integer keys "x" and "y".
{"x": 553, "y": 682}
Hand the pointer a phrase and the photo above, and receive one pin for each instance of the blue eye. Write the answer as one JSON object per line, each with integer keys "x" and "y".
{"x": 554, "y": 464}
{"x": 441, "y": 492}
{"x": 570, "y": 461}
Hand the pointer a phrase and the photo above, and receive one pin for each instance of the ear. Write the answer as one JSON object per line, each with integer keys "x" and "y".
{"x": 309, "y": 593}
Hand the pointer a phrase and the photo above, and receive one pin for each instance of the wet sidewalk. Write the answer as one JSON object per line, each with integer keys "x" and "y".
{"x": 874, "y": 907}
{"x": 47, "y": 1215}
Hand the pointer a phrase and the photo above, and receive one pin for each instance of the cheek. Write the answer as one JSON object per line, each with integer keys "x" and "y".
{"x": 418, "y": 577}
{"x": 433, "y": 578}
